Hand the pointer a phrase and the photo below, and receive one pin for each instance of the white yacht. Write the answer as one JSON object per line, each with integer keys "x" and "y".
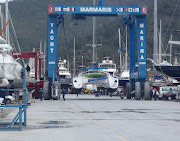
{"x": 108, "y": 66}
{"x": 63, "y": 69}
{"x": 64, "y": 73}
{"x": 10, "y": 69}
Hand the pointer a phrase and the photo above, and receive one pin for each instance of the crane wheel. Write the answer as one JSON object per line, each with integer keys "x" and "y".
{"x": 46, "y": 90}
{"x": 128, "y": 90}
{"x": 146, "y": 91}
{"x": 137, "y": 90}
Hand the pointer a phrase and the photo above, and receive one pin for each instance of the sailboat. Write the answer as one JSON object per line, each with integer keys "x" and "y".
{"x": 9, "y": 67}
{"x": 166, "y": 68}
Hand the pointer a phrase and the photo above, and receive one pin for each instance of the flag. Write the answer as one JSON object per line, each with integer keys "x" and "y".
{"x": 68, "y": 9}
{"x": 57, "y": 8}
{"x": 126, "y": 9}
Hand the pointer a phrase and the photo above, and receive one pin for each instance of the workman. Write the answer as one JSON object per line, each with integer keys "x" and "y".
{"x": 28, "y": 70}
{"x": 155, "y": 93}
{"x": 41, "y": 94}
{"x": 63, "y": 94}
{"x": 151, "y": 93}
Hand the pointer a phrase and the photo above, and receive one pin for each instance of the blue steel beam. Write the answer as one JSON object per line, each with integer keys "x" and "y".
{"x": 52, "y": 45}
{"x": 54, "y": 16}
{"x": 141, "y": 41}
{"x": 132, "y": 46}
{"x": 97, "y": 10}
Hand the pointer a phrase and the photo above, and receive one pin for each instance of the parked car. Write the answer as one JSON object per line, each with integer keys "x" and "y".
{"x": 1, "y": 101}
{"x": 119, "y": 92}
{"x": 9, "y": 99}
{"x": 164, "y": 90}
{"x": 170, "y": 94}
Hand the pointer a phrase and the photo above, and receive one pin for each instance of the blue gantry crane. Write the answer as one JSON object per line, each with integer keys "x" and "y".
{"x": 135, "y": 19}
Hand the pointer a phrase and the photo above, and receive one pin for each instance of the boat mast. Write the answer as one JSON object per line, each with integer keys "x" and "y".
{"x": 44, "y": 56}
{"x": 171, "y": 50}
{"x": 155, "y": 53}
{"x": 120, "y": 57}
{"x": 7, "y": 18}
{"x": 160, "y": 45}
{"x": 1, "y": 20}
{"x": 74, "y": 58}
{"x": 94, "y": 30}
{"x": 126, "y": 56}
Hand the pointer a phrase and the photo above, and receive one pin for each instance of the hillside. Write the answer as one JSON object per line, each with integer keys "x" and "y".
{"x": 30, "y": 21}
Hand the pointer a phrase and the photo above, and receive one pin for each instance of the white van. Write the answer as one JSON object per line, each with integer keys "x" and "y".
{"x": 91, "y": 87}
{"x": 165, "y": 89}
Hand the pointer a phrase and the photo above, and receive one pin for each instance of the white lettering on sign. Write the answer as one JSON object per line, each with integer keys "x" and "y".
{"x": 51, "y": 40}
{"x": 141, "y": 32}
{"x": 52, "y": 49}
{"x": 51, "y": 62}
{"x": 142, "y": 57}
{"x": 17, "y": 53}
{"x": 51, "y": 44}
{"x": 52, "y": 37}
{"x": 95, "y": 9}
{"x": 141, "y": 50}
{"x": 142, "y": 63}
{"x": 142, "y": 45}
{"x": 141, "y": 25}
{"x": 52, "y": 31}
{"x": 141, "y": 38}
{"x": 52, "y": 24}
{"x": 119, "y": 9}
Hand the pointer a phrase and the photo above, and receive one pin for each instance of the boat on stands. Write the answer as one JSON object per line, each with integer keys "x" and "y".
{"x": 64, "y": 73}
{"x": 172, "y": 71}
{"x": 109, "y": 66}
{"x": 10, "y": 69}
{"x": 95, "y": 76}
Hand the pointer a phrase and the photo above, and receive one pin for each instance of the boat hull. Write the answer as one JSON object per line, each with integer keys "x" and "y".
{"x": 171, "y": 71}
{"x": 108, "y": 81}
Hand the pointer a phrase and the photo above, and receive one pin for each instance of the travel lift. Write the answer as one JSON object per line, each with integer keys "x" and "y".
{"x": 134, "y": 13}
{"x": 37, "y": 62}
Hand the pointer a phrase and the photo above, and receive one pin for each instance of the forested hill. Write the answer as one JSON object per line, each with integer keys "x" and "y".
{"x": 30, "y": 22}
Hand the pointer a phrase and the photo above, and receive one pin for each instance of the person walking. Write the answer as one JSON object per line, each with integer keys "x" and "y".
{"x": 151, "y": 93}
{"x": 28, "y": 71}
{"x": 41, "y": 94}
{"x": 63, "y": 94}
{"x": 155, "y": 93}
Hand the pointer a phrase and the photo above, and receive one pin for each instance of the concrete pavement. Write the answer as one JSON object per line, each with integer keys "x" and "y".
{"x": 88, "y": 118}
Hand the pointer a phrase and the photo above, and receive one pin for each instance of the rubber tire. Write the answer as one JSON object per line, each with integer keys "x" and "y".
{"x": 128, "y": 90}
{"x": 57, "y": 85}
{"x": 46, "y": 91}
{"x": 137, "y": 90}
{"x": 8, "y": 101}
{"x": 146, "y": 91}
